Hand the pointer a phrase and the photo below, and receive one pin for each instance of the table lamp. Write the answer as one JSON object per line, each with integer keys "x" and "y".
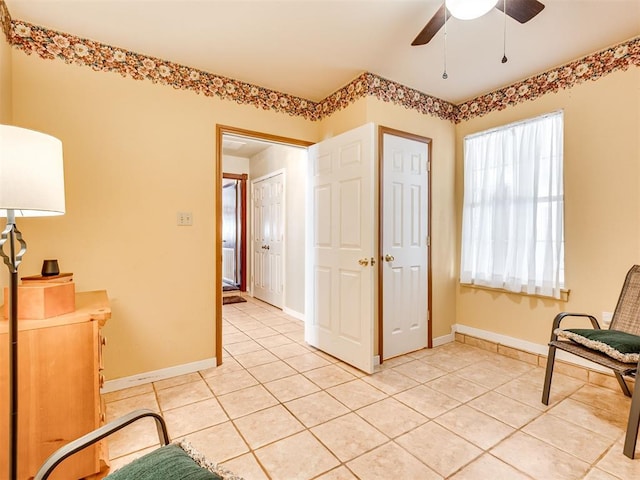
{"x": 31, "y": 185}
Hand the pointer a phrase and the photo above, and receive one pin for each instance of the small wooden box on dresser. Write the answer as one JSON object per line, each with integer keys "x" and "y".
{"x": 59, "y": 380}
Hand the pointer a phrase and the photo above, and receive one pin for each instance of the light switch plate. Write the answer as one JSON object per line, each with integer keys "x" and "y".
{"x": 185, "y": 219}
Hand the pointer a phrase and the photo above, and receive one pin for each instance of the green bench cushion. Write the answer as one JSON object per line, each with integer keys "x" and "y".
{"x": 622, "y": 346}
{"x": 169, "y": 462}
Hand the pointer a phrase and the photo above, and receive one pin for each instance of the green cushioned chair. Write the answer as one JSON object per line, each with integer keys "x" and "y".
{"x": 617, "y": 348}
{"x": 169, "y": 462}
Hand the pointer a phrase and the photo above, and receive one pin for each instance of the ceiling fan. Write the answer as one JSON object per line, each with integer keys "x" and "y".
{"x": 520, "y": 10}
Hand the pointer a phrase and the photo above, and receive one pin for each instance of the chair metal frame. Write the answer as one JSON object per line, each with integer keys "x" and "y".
{"x": 620, "y": 369}
{"x": 90, "y": 438}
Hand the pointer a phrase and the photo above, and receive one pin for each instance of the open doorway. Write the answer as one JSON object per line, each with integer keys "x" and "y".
{"x": 234, "y": 232}
{"x": 260, "y": 158}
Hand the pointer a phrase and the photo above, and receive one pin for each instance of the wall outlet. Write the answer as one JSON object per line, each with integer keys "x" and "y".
{"x": 606, "y": 319}
{"x": 185, "y": 219}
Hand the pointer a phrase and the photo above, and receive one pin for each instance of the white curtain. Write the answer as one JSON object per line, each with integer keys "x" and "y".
{"x": 512, "y": 220}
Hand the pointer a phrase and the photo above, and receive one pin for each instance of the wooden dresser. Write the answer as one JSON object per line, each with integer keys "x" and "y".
{"x": 59, "y": 380}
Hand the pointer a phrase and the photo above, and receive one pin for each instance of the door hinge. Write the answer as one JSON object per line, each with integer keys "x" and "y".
{"x": 428, "y": 241}
{"x": 428, "y": 165}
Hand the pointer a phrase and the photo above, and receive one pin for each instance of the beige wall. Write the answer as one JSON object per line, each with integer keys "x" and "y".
{"x": 5, "y": 80}
{"x": 135, "y": 154}
{"x": 602, "y": 205}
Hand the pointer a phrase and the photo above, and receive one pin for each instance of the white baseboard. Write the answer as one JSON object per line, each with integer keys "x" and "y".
{"x": 444, "y": 339}
{"x": 154, "y": 376}
{"x": 526, "y": 346}
{"x": 293, "y": 313}
{"x": 501, "y": 339}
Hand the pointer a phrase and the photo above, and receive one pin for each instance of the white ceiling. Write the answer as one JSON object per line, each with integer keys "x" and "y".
{"x": 239, "y": 146}
{"x": 310, "y": 48}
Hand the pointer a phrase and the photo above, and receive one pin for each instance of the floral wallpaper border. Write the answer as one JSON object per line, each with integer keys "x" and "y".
{"x": 49, "y": 44}
{"x": 370, "y": 84}
{"x": 592, "y": 67}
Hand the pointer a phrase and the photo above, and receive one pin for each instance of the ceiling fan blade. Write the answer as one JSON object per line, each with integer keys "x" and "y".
{"x": 431, "y": 28}
{"x": 521, "y": 10}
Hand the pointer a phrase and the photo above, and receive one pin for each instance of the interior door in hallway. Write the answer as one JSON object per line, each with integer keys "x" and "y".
{"x": 268, "y": 236}
{"x": 339, "y": 306}
{"x": 230, "y": 244}
{"x": 405, "y": 233}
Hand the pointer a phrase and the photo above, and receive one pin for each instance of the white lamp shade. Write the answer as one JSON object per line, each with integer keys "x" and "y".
{"x": 31, "y": 173}
{"x": 470, "y": 9}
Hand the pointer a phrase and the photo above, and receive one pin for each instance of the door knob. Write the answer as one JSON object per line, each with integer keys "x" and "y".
{"x": 364, "y": 262}
{"x": 389, "y": 258}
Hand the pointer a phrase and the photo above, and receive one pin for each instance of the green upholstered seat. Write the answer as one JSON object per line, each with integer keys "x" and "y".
{"x": 169, "y": 462}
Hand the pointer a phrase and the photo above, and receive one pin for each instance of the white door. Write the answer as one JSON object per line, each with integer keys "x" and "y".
{"x": 268, "y": 235}
{"x": 341, "y": 244}
{"x": 404, "y": 245}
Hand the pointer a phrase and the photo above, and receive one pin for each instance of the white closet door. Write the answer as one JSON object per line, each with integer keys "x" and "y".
{"x": 268, "y": 236}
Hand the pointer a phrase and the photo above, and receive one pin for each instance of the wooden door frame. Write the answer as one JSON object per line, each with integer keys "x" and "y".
{"x": 242, "y": 182}
{"x": 222, "y": 130}
{"x": 428, "y": 141}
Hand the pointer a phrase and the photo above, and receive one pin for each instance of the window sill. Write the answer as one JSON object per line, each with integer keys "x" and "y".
{"x": 564, "y": 293}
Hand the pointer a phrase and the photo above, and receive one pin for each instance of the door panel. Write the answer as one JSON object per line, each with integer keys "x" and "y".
{"x": 350, "y": 207}
{"x": 322, "y": 286}
{"x": 339, "y": 297}
{"x": 404, "y": 245}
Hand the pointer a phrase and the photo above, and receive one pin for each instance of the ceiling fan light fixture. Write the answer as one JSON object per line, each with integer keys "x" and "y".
{"x": 470, "y": 9}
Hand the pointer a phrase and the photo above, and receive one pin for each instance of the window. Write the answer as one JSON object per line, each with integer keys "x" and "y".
{"x": 512, "y": 218}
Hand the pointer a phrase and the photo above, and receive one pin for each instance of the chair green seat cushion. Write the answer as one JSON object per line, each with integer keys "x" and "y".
{"x": 169, "y": 462}
{"x": 622, "y": 346}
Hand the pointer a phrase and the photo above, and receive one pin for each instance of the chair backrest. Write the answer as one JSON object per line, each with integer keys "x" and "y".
{"x": 626, "y": 317}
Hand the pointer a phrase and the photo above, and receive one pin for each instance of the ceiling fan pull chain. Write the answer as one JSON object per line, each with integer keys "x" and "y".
{"x": 444, "y": 74}
{"x": 504, "y": 37}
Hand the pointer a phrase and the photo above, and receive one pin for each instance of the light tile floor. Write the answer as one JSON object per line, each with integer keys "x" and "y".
{"x": 280, "y": 409}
